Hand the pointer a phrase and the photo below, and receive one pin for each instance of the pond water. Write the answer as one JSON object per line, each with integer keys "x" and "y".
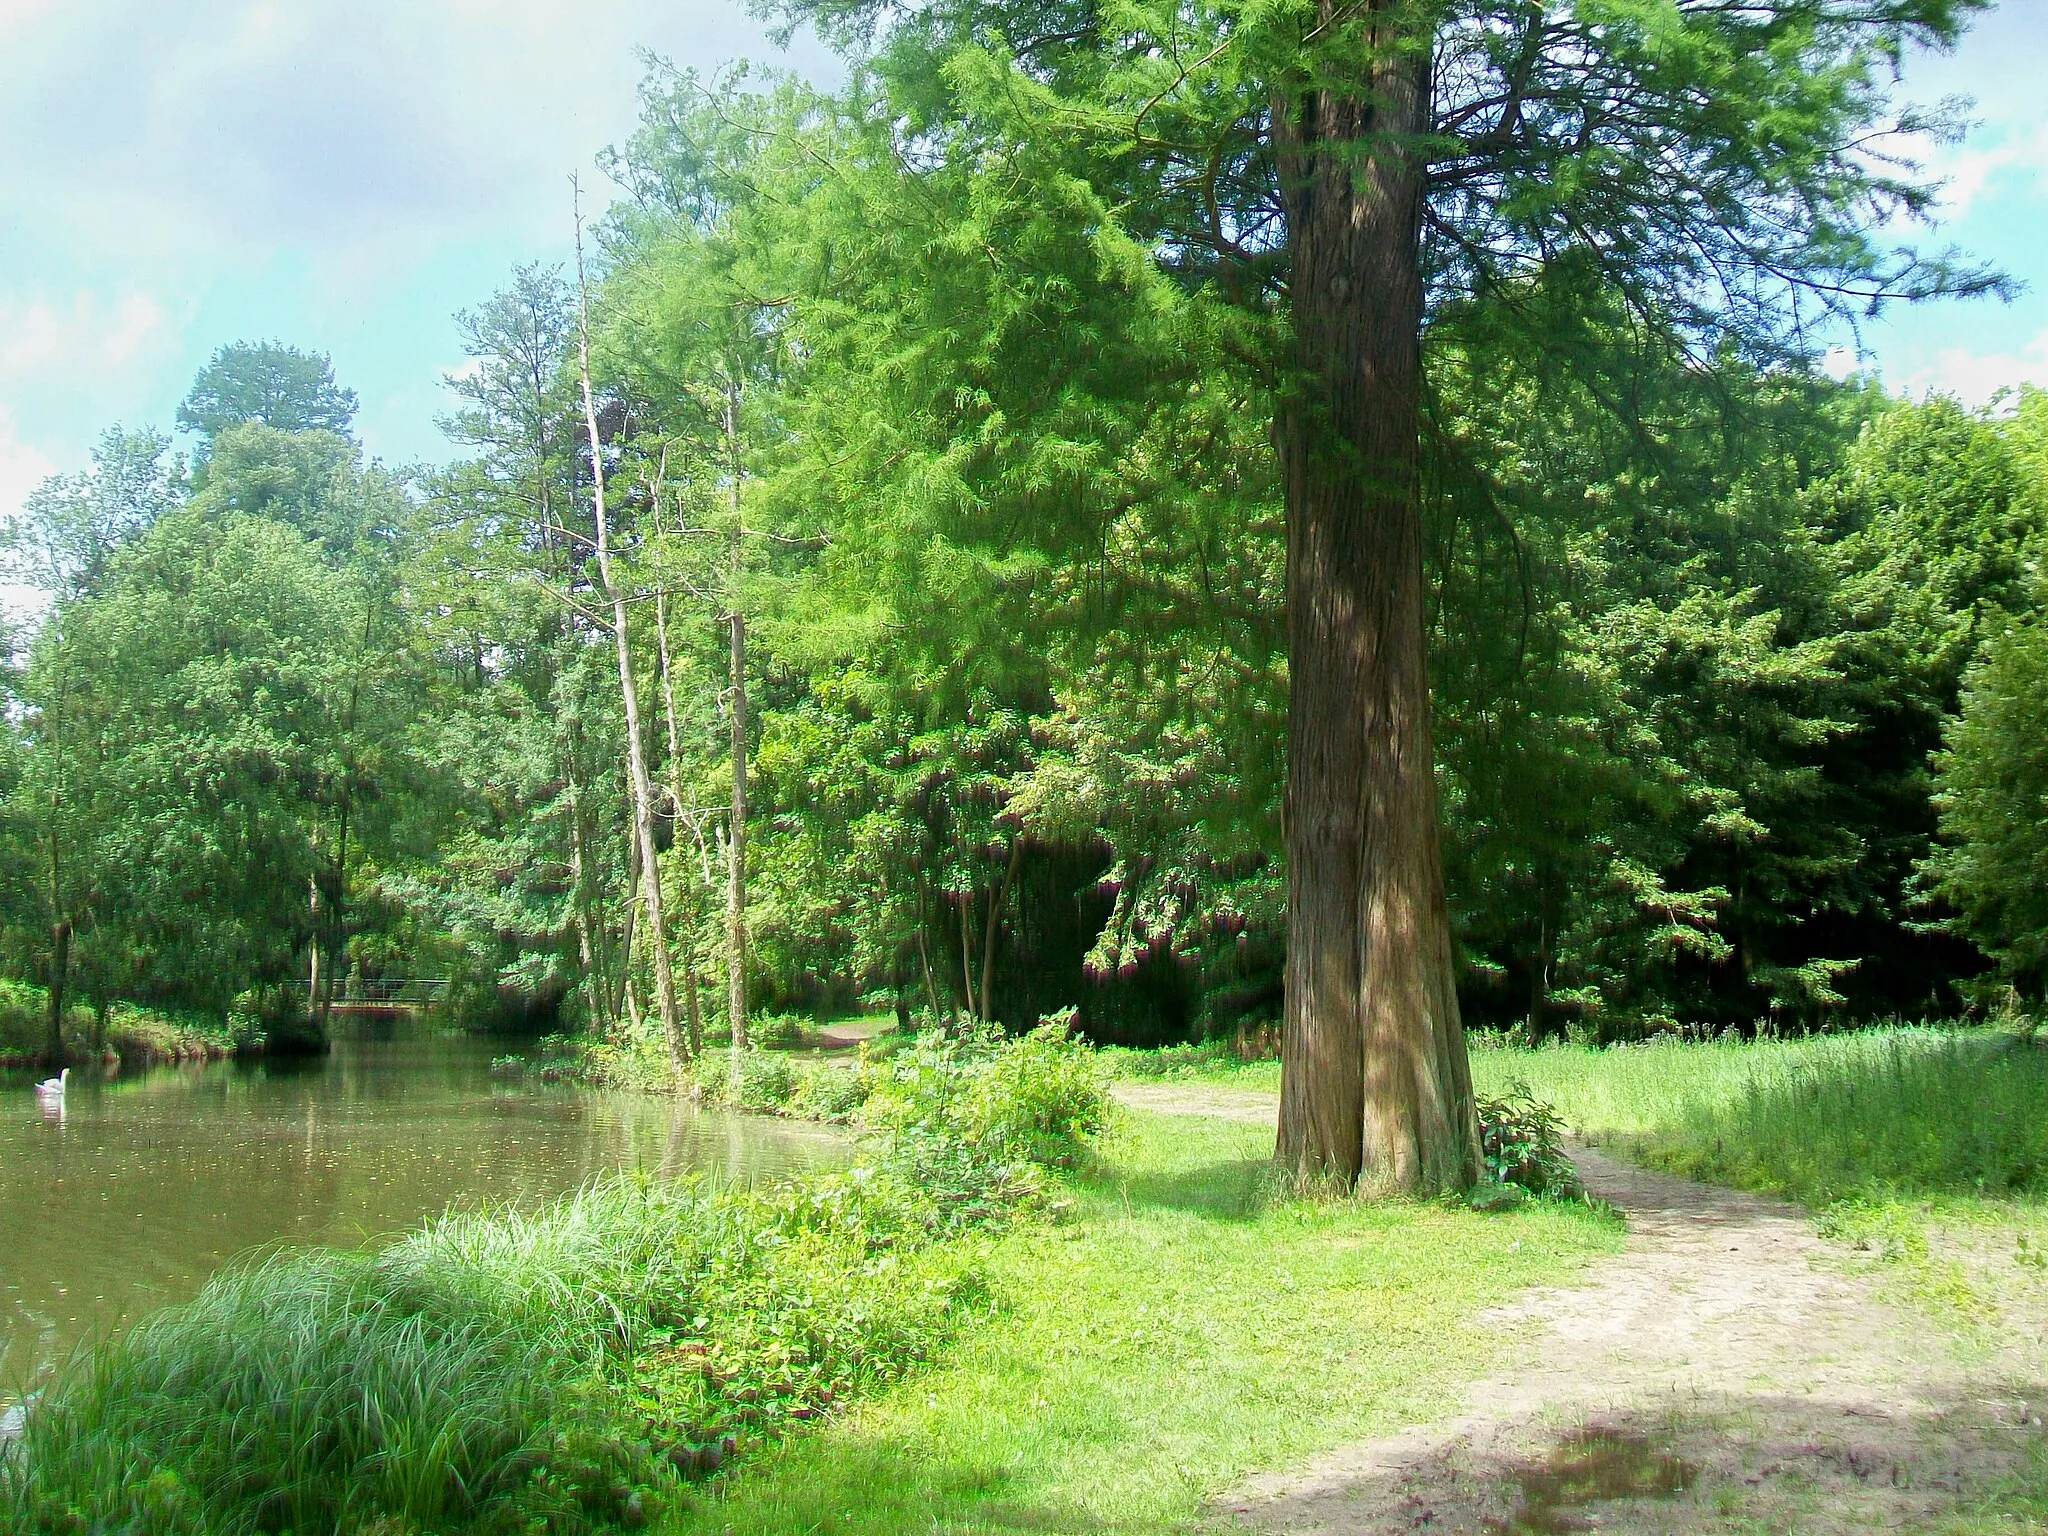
{"x": 152, "y": 1180}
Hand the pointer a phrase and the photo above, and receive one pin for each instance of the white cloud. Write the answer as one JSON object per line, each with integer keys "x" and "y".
{"x": 23, "y": 467}
{"x": 83, "y": 335}
{"x": 1974, "y": 377}
{"x": 343, "y": 126}
{"x": 1999, "y": 157}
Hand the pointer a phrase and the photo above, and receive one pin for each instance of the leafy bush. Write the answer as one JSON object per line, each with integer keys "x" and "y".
{"x": 766, "y": 1082}
{"x": 779, "y": 1031}
{"x": 969, "y": 1114}
{"x": 1522, "y": 1140}
{"x": 830, "y": 1093}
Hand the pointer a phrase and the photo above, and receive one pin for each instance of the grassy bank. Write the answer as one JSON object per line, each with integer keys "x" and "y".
{"x": 133, "y": 1035}
{"x": 1177, "y": 1331}
{"x": 565, "y": 1371}
{"x": 1874, "y": 1116}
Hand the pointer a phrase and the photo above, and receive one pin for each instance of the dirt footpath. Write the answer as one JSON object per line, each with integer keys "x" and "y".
{"x": 1729, "y": 1370}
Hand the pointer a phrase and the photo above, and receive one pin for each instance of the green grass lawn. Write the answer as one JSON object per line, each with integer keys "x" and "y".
{"x": 1879, "y": 1115}
{"x": 1924, "y": 1151}
{"x": 1876, "y": 1116}
{"x": 1176, "y": 1331}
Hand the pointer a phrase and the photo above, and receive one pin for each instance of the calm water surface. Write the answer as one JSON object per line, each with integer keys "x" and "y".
{"x": 152, "y": 1180}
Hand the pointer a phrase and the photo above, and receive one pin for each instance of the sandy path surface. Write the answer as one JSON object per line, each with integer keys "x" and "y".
{"x": 1729, "y": 1370}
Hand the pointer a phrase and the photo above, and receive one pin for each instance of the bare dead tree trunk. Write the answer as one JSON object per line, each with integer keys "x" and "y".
{"x": 736, "y": 837}
{"x": 1376, "y": 1087}
{"x": 636, "y": 756}
{"x": 736, "y": 842}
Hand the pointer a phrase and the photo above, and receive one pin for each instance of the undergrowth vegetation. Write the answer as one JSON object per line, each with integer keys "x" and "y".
{"x": 568, "y": 1370}
{"x": 126, "y": 1032}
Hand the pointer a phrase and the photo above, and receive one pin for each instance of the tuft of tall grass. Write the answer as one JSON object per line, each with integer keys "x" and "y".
{"x": 305, "y": 1391}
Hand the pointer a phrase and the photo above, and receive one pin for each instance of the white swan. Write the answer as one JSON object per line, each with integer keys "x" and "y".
{"x": 53, "y": 1087}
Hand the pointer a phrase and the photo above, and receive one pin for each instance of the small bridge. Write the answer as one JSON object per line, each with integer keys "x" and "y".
{"x": 385, "y": 994}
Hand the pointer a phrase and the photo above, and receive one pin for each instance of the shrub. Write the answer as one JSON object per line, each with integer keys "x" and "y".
{"x": 779, "y": 1031}
{"x": 830, "y": 1093}
{"x": 766, "y": 1082}
{"x": 1522, "y": 1140}
{"x": 968, "y": 1114}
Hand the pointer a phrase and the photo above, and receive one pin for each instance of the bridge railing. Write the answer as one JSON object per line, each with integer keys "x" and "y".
{"x": 396, "y": 991}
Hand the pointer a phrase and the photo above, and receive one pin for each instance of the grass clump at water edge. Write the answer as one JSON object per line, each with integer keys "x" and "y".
{"x": 563, "y": 1371}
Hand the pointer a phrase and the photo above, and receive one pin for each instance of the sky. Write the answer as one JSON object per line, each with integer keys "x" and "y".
{"x": 345, "y": 175}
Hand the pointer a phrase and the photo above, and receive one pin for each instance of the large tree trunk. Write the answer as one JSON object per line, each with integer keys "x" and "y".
{"x": 1376, "y": 1089}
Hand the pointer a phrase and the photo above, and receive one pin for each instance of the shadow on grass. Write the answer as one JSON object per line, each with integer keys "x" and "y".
{"x": 884, "y": 1484}
{"x": 1232, "y": 1189}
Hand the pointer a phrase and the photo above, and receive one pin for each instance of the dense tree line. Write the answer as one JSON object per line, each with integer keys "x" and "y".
{"x": 874, "y": 577}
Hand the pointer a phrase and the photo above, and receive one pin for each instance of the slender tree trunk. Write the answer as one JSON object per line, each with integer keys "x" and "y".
{"x": 686, "y": 918}
{"x": 316, "y": 966}
{"x": 967, "y": 952}
{"x": 586, "y": 941}
{"x": 60, "y": 975}
{"x": 988, "y": 938}
{"x": 924, "y": 952}
{"x": 736, "y": 840}
{"x": 1376, "y": 1087}
{"x": 629, "y": 930}
{"x": 736, "y": 845}
{"x": 636, "y": 756}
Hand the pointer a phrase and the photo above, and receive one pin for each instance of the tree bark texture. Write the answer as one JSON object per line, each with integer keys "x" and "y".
{"x": 1376, "y": 1088}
